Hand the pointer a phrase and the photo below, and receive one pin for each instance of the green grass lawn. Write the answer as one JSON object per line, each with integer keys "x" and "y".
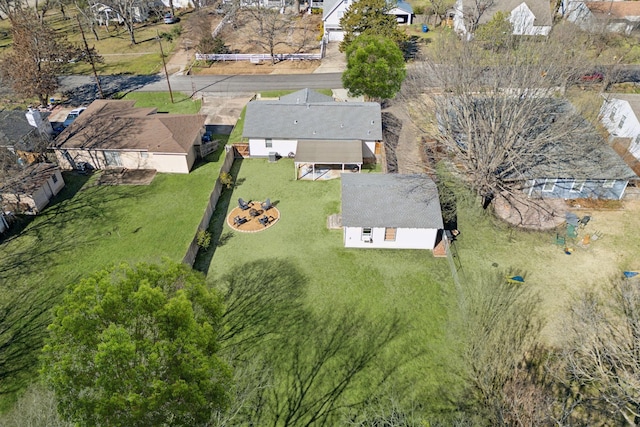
{"x": 88, "y": 227}
{"x": 236, "y": 133}
{"x": 379, "y": 281}
{"x": 182, "y": 104}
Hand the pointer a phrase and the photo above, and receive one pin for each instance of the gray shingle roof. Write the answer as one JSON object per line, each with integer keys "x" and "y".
{"x": 14, "y": 127}
{"x": 390, "y": 200}
{"x": 329, "y": 120}
{"x": 304, "y": 96}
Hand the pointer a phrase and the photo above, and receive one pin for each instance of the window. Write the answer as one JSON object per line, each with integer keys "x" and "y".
{"x": 390, "y": 234}
{"x": 112, "y": 158}
{"x": 366, "y": 235}
{"x": 577, "y": 185}
{"x": 54, "y": 178}
{"x": 144, "y": 154}
{"x": 613, "y": 114}
{"x": 622, "y": 122}
{"x": 608, "y": 183}
{"x": 268, "y": 143}
{"x": 549, "y": 185}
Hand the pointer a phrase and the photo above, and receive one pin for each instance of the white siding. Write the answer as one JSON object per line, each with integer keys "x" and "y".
{"x": 406, "y": 238}
{"x": 611, "y": 115}
{"x": 170, "y": 163}
{"x": 258, "y": 148}
{"x": 522, "y": 20}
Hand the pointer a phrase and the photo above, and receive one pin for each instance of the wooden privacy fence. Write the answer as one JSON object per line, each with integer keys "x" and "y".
{"x": 190, "y": 257}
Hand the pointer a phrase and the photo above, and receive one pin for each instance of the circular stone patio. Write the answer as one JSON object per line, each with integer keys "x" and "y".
{"x": 253, "y": 225}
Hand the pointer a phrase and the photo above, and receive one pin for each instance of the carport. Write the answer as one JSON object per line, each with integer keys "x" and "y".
{"x": 321, "y": 152}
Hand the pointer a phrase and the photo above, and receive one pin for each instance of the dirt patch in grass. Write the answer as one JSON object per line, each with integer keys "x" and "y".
{"x": 246, "y": 67}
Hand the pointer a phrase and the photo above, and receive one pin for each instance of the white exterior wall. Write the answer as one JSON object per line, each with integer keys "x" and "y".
{"x": 406, "y": 238}
{"x": 168, "y": 163}
{"x": 458, "y": 18}
{"x": 522, "y": 19}
{"x": 178, "y": 4}
{"x": 368, "y": 149}
{"x": 258, "y": 148}
{"x": 630, "y": 128}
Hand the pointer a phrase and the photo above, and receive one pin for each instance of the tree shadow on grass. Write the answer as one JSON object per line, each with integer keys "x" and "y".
{"x": 216, "y": 225}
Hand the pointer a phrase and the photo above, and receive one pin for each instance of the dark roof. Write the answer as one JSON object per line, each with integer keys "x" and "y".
{"x": 118, "y": 125}
{"x": 15, "y": 130}
{"x": 329, "y": 152}
{"x": 30, "y": 180}
{"x": 580, "y": 154}
{"x": 390, "y": 200}
{"x": 325, "y": 120}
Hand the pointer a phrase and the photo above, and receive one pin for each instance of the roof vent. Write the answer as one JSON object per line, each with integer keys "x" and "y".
{"x": 368, "y": 132}
{"x": 314, "y": 132}
{"x": 297, "y": 100}
{"x": 295, "y": 122}
{"x": 341, "y": 125}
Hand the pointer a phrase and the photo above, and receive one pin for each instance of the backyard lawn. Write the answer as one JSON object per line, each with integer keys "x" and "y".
{"x": 90, "y": 226}
{"x": 411, "y": 282}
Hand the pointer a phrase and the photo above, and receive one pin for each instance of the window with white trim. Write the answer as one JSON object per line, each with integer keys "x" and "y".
{"x": 608, "y": 183}
{"x": 549, "y": 185}
{"x": 390, "y": 234}
{"x": 268, "y": 143}
{"x": 577, "y": 185}
{"x": 366, "y": 234}
{"x": 612, "y": 116}
{"x": 54, "y": 178}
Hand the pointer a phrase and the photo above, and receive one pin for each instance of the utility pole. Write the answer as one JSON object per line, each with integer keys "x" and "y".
{"x": 164, "y": 64}
{"x": 90, "y": 55}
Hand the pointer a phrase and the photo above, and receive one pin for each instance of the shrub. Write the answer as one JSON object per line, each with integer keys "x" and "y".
{"x": 203, "y": 238}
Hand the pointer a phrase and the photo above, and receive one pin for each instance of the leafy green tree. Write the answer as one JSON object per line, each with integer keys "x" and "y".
{"x": 497, "y": 34}
{"x": 136, "y": 346}
{"x": 375, "y": 67}
{"x": 369, "y": 17}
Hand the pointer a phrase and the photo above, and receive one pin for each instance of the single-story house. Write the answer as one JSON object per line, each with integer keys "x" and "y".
{"x": 114, "y": 133}
{"x": 603, "y": 16}
{"x": 31, "y": 190}
{"x": 314, "y": 129}
{"x": 578, "y": 164}
{"x": 392, "y": 211}
{"x": 333, "y": 11}
{"x": 528, "y": 17}
{"x": 25, "y": 134}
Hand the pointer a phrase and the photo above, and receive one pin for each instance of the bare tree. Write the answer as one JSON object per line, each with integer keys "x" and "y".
{"x": 603, "y": 350}
{"x": 39, "y": 56}
{"x": 272, "y": 29}
{"x": 128, "y": 10}
{"x": 497, "y": 114}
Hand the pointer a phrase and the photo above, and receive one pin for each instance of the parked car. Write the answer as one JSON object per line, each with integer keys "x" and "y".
{"x": 594, "y": 77}
{"x": 72, "y": 116}
{"x": 170, "y": 19}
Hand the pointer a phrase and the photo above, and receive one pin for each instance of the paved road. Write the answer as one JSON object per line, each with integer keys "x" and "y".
{"x": 81, "y": 87}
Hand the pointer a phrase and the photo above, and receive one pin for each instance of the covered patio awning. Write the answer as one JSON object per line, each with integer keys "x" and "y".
{"x": 324, "y": 152}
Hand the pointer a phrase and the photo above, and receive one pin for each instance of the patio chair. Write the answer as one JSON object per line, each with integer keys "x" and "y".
{"x": 242, "y": 204}
{"x": 584, "y": 221}
{"x": 239, "y": 220}
{"x": 572, "y": 231}
{"x": 267, "y": 205}
{"x": 264, "y": 220}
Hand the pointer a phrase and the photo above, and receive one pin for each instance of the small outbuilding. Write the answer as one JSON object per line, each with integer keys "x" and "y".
{"x": 30, "y": 191}
{"x": 391, "y": 211}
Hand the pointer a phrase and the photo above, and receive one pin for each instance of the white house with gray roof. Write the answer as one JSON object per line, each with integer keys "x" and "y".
{"x": 527, "y": 17}
{"x": 314, "y": 129}
{"x": 333, "y": 11}
{"x": 391, "y": 211}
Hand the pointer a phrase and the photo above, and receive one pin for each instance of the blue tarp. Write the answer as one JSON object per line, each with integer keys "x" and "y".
{"x": 630, "y": 274}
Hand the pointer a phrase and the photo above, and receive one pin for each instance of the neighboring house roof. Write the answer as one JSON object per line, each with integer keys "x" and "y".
{"x": 632, "y": 99}
{"x": 329, "y": 6}
{"x": 583, "y": 156}
{"x": 30, "y": 180}
{"x": 15, "y": 130}
{"x": 616, "y": 9}
{"x": 390, "y": 200}
{"x": 118, "y": 125}
{"x": 540, "y": 9}
{"x": 403, "y": 6}
{"x": 313, "y": 120}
